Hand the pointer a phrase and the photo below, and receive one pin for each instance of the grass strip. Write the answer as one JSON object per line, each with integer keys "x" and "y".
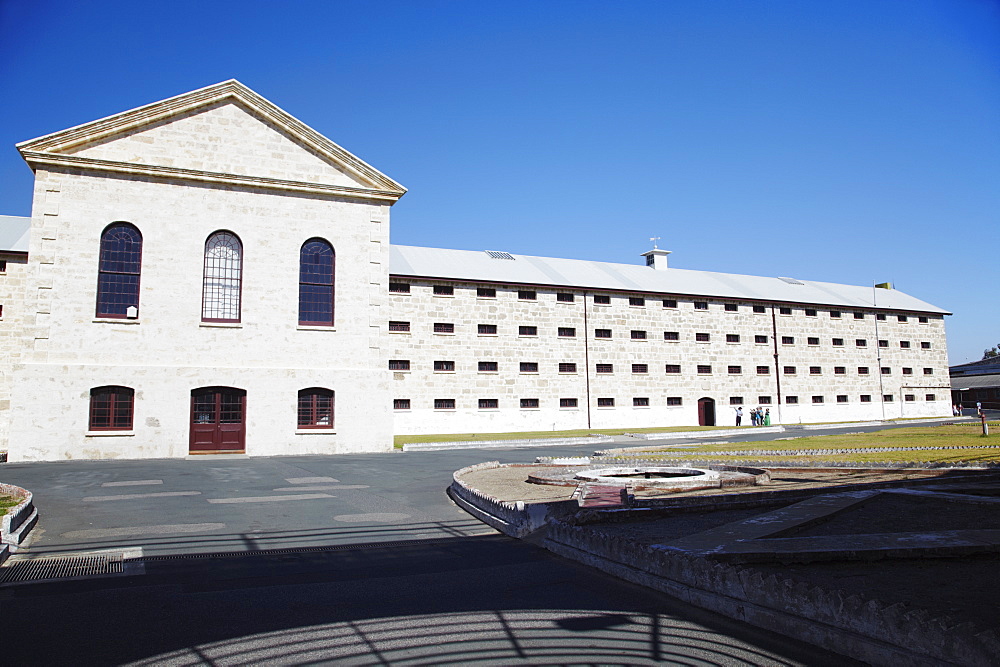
{"x": 952, "y": 437}
{"x": 8, "y": 502}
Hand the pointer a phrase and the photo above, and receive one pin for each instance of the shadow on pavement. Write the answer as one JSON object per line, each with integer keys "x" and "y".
{"x": 453, "y": 600}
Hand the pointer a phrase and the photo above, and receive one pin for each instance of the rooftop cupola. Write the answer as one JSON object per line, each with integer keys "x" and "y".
{"x": 656, "y": 258}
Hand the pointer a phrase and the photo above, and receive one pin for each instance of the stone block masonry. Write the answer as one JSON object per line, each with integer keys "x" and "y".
{"x": 505, "y": 363}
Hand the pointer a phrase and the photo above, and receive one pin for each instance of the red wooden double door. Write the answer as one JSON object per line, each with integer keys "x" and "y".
{"x": 218, "y": 420}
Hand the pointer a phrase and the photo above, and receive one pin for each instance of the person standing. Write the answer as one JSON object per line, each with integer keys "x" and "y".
{"x": 739, "y": 415}
{"x": 767, "y": 417}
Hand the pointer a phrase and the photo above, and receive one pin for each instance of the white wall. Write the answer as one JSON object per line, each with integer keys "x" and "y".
{"x": 421, "y": 346}
{"x": 168, "y": 350}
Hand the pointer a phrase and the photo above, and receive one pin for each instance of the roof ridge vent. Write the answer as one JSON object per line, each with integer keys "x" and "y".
{"x": 499, "y": 254}
{"x": 791, "y": 281}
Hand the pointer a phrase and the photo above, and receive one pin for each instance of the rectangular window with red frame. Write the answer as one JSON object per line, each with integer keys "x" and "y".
{"x": 111, "y": 408}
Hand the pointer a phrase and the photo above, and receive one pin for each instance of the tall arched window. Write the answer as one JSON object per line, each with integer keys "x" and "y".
{"x": 220, "y": 294}
{"x": 118, "y": 270}
{"x": 111, "y": 408}
{"x": 316, "y": 269}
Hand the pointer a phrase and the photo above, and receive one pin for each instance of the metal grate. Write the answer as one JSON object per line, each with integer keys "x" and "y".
{"x": 363, "y": 546}
{"x": 791, "y": 281}
{"x": 499, "y": 254}
{"x": 39, "y": 569}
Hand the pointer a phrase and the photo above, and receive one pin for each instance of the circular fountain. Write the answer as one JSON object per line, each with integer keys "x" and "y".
{"x": 667, "y": 479}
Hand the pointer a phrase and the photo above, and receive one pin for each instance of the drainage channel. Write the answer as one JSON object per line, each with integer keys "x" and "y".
{"x": 293, "y": 550}
{"x": 63, "y": 567}
{"x": 130, "y": 562}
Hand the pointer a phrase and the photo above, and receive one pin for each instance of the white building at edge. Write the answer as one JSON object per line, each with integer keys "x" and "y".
{"x": 207, "y": 274}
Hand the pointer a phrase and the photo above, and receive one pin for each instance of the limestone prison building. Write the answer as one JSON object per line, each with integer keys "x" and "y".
{"x": 208, "y": 274}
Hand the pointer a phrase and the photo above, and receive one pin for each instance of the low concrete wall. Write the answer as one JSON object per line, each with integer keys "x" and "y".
{"x": 19, "y": 520}
{"x": 710, "y": 433}
{"x": 887, "y": 422}
{"x": 868, "y": 629}
{"x": 783, "y": 428}
{"x": 865, "y": 629}
{"x": 517, "y": 519}
{"x": 670, "y": 458}
{"x": 823, "y": 427}
{"x": 505, "y": 444}
{"x": 644, "y": 508}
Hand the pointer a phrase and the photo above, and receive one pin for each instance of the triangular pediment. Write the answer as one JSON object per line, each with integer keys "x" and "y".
{"x": 223, "y": 133}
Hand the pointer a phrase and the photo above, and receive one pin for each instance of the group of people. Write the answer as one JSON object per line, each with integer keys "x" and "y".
{"x": 956, "y": 410}
{"x": 758, "y": 416}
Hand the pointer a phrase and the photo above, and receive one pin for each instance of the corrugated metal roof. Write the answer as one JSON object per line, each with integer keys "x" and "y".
{"x": 14, "y": 233}
{"x": 476, "y": 266}
{"x": 989, "y": 365}
{"x": 975, "y": 381}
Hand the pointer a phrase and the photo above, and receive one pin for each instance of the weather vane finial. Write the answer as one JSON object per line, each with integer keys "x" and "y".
{"x": 654, "y": 239}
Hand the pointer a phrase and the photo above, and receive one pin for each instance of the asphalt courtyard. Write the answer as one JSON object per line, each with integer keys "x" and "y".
{"x": 359, "y": 559}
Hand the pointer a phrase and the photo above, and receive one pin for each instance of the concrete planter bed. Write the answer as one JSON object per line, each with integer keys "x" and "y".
{"x": 866, "y": 628}
{"x": 730, "y": 550}
{"x": 18, "y": 521}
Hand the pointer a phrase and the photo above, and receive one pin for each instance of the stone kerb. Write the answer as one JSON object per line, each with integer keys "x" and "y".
{"x": 486, "y": 444}
{"x": 516, "y": 519}
{"x": 676, "y": 459}
{"x": 866, "y": 629}
{"x": 506, "y": 517}
{"x": 859, "y": 625}
{"x": 713, "y": 433}
{"x": 760, "y": 498}
{"x": 782, "y": 428}
{"x": 19, "y": 520}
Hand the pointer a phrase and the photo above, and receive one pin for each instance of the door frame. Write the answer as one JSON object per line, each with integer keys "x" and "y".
{"x": 218, "y": 445}
{"x": 706, "y": 411}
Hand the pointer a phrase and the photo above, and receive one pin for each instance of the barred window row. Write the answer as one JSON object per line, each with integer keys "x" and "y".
{"x": 642, "y": 368}
{"x": 532, "y": 403}
{"x": 644, "y": 401}
{"x": 863, "y": 398}
{"x": 485, "y": 329}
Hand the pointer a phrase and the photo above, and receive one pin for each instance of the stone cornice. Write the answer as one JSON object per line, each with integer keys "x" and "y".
{"x": 36, "y": 159}
{"x": 52, "y": 147}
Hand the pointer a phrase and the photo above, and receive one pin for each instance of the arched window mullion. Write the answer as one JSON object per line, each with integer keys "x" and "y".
{"x": 118, "y": 271}
{"x": 317, "y": 268}
{"x": 222, "y": 278}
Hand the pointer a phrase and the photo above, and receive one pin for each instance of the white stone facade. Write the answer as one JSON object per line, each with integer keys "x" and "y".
{"x": 13, "y": 284}
{"x": 258, "y": 189}
{"x": 224, "y": 159}
{"x": 651, "y": 337}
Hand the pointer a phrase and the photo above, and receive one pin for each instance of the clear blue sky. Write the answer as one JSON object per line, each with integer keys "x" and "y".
{"x": 840, "y": 141}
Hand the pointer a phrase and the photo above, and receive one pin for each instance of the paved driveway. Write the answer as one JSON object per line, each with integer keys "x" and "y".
{"x": 235, "y": 504}
{"x": 378, "y": 567}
